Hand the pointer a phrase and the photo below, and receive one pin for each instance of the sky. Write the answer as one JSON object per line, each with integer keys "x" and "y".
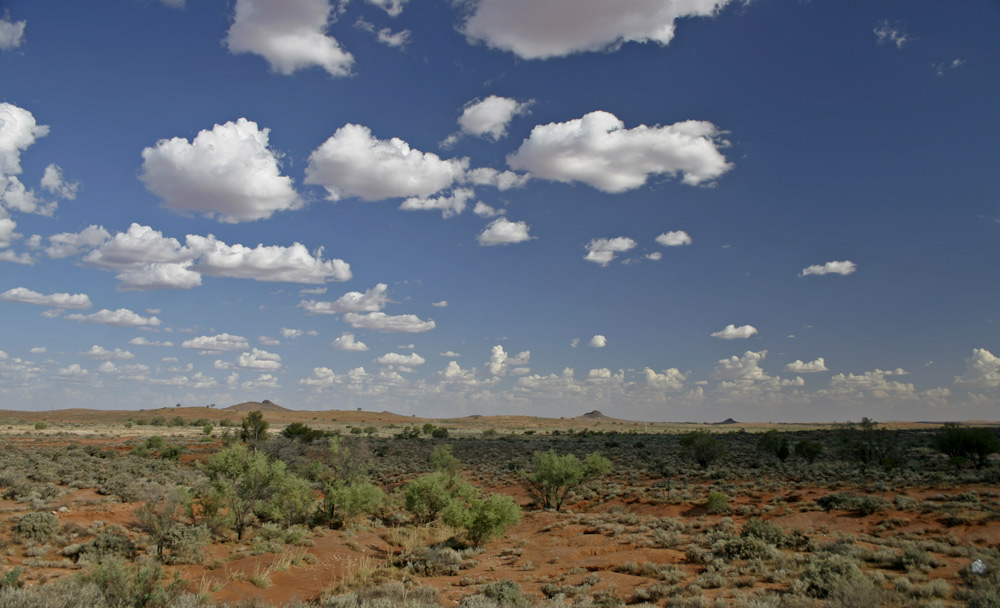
{"x": 667, "y": 210}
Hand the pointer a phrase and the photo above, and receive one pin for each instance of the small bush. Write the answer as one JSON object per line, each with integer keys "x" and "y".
{"x": 825, "y": 575}
{"x": 38, "y": 526}
{"x": 484, "y": 518}
{"x": 506, "y": 593}
{"x": 716, "y": 503}
{"x": 41, "y": 426}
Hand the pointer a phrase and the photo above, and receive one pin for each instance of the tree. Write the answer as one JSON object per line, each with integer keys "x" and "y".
{"x": 427, "y": 496}
{"x": 483, "y": 519}
{"x": 554, "y": 476}
{"x": 346, "y": 500}
{"x": 808, "y": 450}
{"x": 254, "y": 429}
{"x": 703, "y": 447}
{"x": 443, "y": 461}
{"x": 959, "y": 442}
{"x": 774, "y": 443}
{"x": 302, "y": 432}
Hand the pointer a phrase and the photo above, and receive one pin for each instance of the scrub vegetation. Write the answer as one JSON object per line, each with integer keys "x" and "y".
{"x": 272, "y": 512}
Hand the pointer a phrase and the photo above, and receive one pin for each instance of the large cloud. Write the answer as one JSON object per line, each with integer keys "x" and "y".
{"x": 353, "y": 162}
{"x": 134, "y": 248}
{"x": 372, "y": 300}
{"x": 533, "y": 29}
{"x": 56, "y": 300}
{"x": 982, "y": 370}
{"x": 18, "y": 131}
{"x": 290, "y": 35}
{"x": 670, "y": 380}
{"x": 598, "y": 150}
{"x": 603, "y": 251}
{"x": 228, "y": 172}
{"x": 292, "y": 264}
{"x": 66, "y": 244}
{"x": 379, "y": 321}
{"x": 502, "y": 231}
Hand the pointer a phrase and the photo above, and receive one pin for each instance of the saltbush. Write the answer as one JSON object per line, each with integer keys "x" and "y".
{"x": 37, "y": 526}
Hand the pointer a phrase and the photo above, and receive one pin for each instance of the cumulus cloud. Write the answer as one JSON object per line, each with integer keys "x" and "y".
{"x": 409, "y": 360}
{"x": 746, "y": 367}
{"x": 354, "y": 163}
{"x": 603, "y": 251}
{"x": 290, "y": 35}
{"x": 258, "y": 360}
{"x": 66, "y": 244}
{"x": 845, "y": 267}
{"x": 500, "y": 361}
{"x": 598, "y": 341}
{"x": 599, "y": 151}
{"x": 56, "y": 300}
{"x": 675, "y": 238}
{"x": 799, "y": 367}
{"x": 347, "y": 342}
{"x": 101, "y": 353}
{"x": 982, "y": 370}
{"x": 294, "y": 264}
{"x": 322, "y": 377}
{"x": 134, "y": 248}
{"x": 7, "y": 234}
{"x": 393, "y": 7}
{"x": 121, "y": 317}
{"x": 449, "y": 205}
{"x": 731, "y": 332}
{"x": 440, "y": 304}
{"x": 490, "y": 117}
{"x": 18, "y": 131}
{"x": 379, "y": 321}
{"x": 158, "y": 276}
{"x": 502, "y": 231}
{"x": 228, "y": 172}
{"x": 555, "y": 28}
{"x": 892, "y": 33}
{"x": 54, "y": 182}
{"x": 218, "y": 343}
{"x": 483, "y": 210}
{"x": 669, "y": 380}
{"x": 372, "y": 300}
{"x": 501, "y": 180}
{"x": 873, "y": 384}
{"x": 11, "y": 33}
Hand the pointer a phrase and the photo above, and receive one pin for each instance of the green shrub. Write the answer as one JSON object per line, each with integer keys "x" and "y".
{"x": 860, "y": 504}
{"x": 207, "y": 429}
{"x": 443, "y": 461}
{"x": 154, "y": 443}
{"x": 41, "y": 426}
{"x": 427, "y": 496}
{"x": 136, "y": 586}
{"x": 483, "y": 519}
{"x": 716, "y": 503}
{"x": 346, "y": 500}
{"x": 37, "y": 526}
{"x": 440, "y": 433}
{"x": 826, "y": 574}
{"x": 506, "y": 593}
{"x": 554, "y": 476}
{"x": 111, "y": 543}
{"x": 702, "y": 446}
{"x": 302, "y": 432}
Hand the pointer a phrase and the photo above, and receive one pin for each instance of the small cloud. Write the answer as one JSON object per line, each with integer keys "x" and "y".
{"x": 441, "y": 304}
{"x": 347, "y": 342}
{"x": 449, "y": 353}
{"x": 731, "y": 332}
{"x": 603, "y": 251}
{"x": 676, "y": 238}
{"x": 598, "y": 341}
{"x": 574, "y": 342}
{"x": 483, "y": 210}
{"x": 396, "y": 41}
{"x": 811, "y": 367}
{"x": 655, "y": 256}
{"x": 892, "y": 33}
{"x": 844, "y": 267}
{"x": 504, "y": 232}
{"x": 11, "y": 33}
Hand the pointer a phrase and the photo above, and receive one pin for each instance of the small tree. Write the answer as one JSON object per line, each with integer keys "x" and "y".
{"x": 775, "y": 444}
{"x": 808, "y": 450}
{"x": 975, "y": 444}
{"x": 703, "y": 447}
{"x": 554, "y": 476}
{"x": 346, "y": 500}
{"x": 428, "y": 496}
{"x": 254, "y": 429}
{"x": 443, "y": 461}
{"x": 483, "y": 519}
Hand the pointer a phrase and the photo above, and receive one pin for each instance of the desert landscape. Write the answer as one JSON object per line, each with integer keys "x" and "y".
{"x": 259, "y": 505}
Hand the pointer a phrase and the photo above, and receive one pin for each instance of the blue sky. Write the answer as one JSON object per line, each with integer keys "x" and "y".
{"x": 665, "y": 210}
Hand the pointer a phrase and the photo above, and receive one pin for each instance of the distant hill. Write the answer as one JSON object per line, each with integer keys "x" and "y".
{"x": 262, "y": 406}
{"x": 595, "y": 415}
{"x": 726, "y": 421}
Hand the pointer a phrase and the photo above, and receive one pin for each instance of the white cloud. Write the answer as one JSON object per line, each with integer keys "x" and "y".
{"x": 449, "y": 206}
{"x": 101, "y": 353}
{"x": 347, "y": 342}
{"x": 490, "y": 117}
{"x": 18, "y": 131}
{"x": 441, "y": 304}
{"x": 294, "y": 264}
{"x": 396, "y": 41}
{"x": 675, "y": 238}
{"x": 7, "y": 234}
{"x": 574, "y": 342}
{"x": 158, "y": 276}
{"x": 398, "y": 359}
{"x": 133, "y": 249}
{"x": 392, "y": 7}
{"x": 500, "y": 361}
{"x": 602, "y": 251}
{"x": 141, "y": 341}
{"x": 372, "y": 300}
{"x": 218, "y": 343}
{"x": 539, "y": 30}
{"x": 892, "y": 33}
{"x": 873, "y": 384}
{"x": 982, "y": 370}
{"x": 599, "y": 151}
{"x": 844, "y": 268}
{"x": 322, "y": 377}
{"x": 598, "y": 341}
{"x": 502, "y": 231}
{"x": 290, "y": 35}
{"x": 121, "y": 317}
{"x": 54, "y": 182}
{"x": 228, "y": 172}
{"x": 268, "y": 341}
{"x": 670, "y": 380}
{"x": 379, "y": 321}
{"x": 483, "y": 210}
{"x": 746, "y": 367}
{"x": 290, "y": 334}
{"x": 501, "y": 180}
{"x": 174, "y": 3}
{"x": 449, "y": 353}
{"x": 73, "y": 371}
{"x": 731, "y": 332}
{"x": 57, "y": 300}
{"x": 66, "y": 244}
{"x": 39, "y": 350}
{"x": 352, "y": 162}
{"x": 655, "y": 255}
{"x": 799, "y": 367}
{"x": 256, "y": 360}
{"x": 11, "y": 33}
